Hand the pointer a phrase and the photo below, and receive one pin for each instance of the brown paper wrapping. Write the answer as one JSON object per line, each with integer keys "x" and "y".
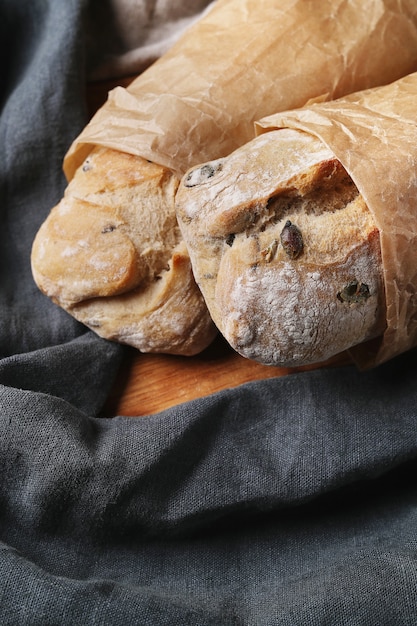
{"x": 246, "y": 59}
{"x": 374, "y": 135}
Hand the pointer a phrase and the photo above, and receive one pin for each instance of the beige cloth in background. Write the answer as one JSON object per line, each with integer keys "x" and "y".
{"x": 126, "y": 36}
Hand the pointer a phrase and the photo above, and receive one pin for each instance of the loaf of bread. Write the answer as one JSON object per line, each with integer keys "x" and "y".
{"x": 304, "y": 240}
{"x": 111, "y": 253}
{"x": 284, "y": 249}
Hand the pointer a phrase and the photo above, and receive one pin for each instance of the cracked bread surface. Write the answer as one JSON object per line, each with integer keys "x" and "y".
{"x": 284, "y": 249}
{"x": 112, "y": 255}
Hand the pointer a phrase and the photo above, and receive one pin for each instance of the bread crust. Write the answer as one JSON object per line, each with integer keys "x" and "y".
{"x": 284, "y": 249}
{"x": 111, "y": 254}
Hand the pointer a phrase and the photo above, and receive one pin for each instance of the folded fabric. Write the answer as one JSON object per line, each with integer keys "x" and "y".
{"x": 286, "y": 502}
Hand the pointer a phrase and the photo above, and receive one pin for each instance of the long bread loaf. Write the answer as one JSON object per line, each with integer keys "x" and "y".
{"x": 284, "y": 250}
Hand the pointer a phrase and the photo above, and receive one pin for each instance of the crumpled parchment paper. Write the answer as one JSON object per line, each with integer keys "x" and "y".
{"x": 374, "y": 135}
{"x": 246, "y": 59}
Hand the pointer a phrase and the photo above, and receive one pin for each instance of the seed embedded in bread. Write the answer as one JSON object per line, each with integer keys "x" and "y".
{"x": 285, "y": 251}
{"x": 292, "y": 240}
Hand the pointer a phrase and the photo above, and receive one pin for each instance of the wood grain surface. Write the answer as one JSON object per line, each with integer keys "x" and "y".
{"x": 149, "y": 383}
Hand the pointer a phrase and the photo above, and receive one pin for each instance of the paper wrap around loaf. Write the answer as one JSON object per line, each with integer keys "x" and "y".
{"x": 246, "y": 59}
{"x": 374, "y": 135}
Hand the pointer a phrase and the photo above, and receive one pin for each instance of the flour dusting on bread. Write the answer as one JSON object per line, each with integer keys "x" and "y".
{"x": 285, "y": 251}
{"x": 112, "y": 255}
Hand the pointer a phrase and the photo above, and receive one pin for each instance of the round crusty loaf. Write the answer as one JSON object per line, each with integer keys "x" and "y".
{"x": 284, "y": 249}
{"x": 111, "y": 254}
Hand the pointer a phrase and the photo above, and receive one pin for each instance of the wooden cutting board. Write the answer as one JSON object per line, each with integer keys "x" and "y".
{"x": 149, "y": 383}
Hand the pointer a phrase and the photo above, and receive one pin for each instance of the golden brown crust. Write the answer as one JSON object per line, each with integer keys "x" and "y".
{"x": 168, "y": 316}
{"x": 284, "y": 250}
{"x": 111, "y": 254}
